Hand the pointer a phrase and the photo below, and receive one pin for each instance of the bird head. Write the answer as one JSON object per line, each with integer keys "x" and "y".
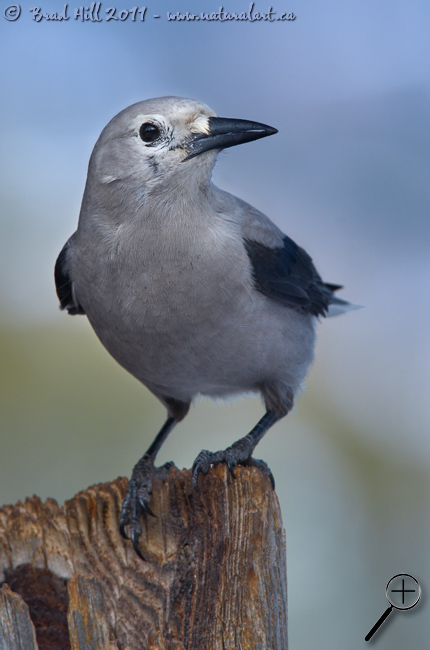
{"x": 159, "y": 139}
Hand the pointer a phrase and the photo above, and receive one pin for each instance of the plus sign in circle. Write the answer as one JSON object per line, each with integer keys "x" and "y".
{"x": 403, "y": 591}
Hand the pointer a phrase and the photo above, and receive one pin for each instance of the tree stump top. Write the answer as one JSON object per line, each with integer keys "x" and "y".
{"x": 214, "y": 576}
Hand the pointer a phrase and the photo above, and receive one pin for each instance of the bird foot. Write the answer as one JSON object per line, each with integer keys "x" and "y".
{"x": 138, "y": 496}
{"x": 238, "y": 454}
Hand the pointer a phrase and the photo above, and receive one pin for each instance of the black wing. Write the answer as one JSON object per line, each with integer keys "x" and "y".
{"x": 287, "y": 274}
{"x": 64, "y": 285}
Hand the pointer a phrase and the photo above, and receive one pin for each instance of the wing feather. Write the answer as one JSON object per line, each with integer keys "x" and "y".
{"x": 287, "y": 274}
{"x": 64, "y": 284}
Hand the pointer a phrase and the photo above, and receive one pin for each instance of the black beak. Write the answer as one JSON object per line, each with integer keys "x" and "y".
{"x": 225, "y": 132}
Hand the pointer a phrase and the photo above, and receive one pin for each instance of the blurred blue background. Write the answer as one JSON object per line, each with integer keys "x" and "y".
{"x": 348, "y": 86}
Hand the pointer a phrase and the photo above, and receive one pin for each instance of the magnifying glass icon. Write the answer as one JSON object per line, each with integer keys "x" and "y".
{"x": 403, "y": 592}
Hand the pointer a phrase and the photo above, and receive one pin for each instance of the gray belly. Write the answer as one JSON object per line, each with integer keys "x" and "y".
{"x": 201, "y": 328}
{"x": 209, "y": 349}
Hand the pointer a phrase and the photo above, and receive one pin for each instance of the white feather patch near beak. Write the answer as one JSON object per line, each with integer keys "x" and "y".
{"x": 200, "y": 125}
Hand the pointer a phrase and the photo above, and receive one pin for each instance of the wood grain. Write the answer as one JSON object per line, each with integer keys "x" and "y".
{"x": 16, "y": 629}
{"x": 214, "y": 576}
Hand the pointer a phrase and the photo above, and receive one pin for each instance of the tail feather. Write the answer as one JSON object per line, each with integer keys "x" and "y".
{"x": 338, "y": 306}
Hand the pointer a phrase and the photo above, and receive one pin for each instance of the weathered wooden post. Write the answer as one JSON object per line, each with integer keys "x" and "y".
{"x": 214, "y": 576}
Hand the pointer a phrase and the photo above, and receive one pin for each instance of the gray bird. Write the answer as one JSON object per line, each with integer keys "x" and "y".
{"x": 189, "y": 288}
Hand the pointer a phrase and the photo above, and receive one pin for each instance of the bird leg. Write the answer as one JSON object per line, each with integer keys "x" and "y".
{"x": 139, "y": 491}
{"x": 239, "y": 453}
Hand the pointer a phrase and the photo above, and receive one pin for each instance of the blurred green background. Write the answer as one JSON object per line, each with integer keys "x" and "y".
{"x": 347, "y": 85}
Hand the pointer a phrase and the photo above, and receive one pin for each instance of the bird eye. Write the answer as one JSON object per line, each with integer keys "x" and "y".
{"x": 149, "y": 132}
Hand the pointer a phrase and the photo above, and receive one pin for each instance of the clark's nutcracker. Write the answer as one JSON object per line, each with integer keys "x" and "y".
{"x": 189, "y": 288}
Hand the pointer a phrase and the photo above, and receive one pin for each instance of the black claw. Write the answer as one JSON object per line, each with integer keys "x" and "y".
{"x": 122, "y": 531}
{"x": 231, "y": 468}
{"x": 135, "y": 532}
{"x": 137, "y": 549}
{"x": 263, "y": 467}
{"x": 196, "y": 472}
{"x": 146, "y": 508}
